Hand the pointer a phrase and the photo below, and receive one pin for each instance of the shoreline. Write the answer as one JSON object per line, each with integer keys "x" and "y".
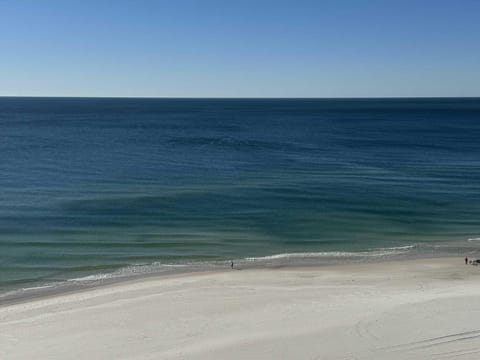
{"x": 113, "y": 283}
{"x": 68, "y": 286}
{"x": 14, "y": 293}
{"x": 380, "y": 309}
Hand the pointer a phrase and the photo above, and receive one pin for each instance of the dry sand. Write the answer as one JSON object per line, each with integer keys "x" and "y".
{"x": 414, "y": 309}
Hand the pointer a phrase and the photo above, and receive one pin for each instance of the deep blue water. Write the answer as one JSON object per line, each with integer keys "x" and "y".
{"x": 95, "y": 185}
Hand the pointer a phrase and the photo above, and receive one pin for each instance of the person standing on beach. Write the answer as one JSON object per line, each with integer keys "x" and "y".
{"x": 466, "y": 260}
{"x": 231, "y": 264}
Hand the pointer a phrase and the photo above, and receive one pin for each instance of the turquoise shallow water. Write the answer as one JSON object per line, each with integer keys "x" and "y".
{"x": 106, "y": 187}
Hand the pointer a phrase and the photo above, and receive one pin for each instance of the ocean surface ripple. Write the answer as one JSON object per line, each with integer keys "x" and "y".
{"x": 102, "y": 188}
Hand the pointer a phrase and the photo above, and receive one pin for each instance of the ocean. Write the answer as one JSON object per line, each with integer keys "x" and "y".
{"x": 100, "y": 188}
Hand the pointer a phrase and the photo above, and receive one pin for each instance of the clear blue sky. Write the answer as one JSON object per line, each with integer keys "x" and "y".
{"x": 241, "y": 48}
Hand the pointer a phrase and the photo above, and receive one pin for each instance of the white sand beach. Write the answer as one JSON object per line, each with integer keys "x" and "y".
{"x": 416, "y": 309}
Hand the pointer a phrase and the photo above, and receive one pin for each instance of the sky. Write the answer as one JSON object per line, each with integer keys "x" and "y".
{"x": 240, "y": 48}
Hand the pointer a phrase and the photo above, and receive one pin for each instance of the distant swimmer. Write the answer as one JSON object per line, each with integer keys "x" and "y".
{"x": 231, "y": 264}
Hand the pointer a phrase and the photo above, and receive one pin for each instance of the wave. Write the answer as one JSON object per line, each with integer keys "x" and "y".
{"x": 158, "y": 267}
{"x": 337, "y": 254}
{"x": 196, "y": 266}
{"x": 94, "y": 277}
{"x": 132, "y": 270}
{"x": 474, "y": 239}
{"x": 405, "y": 247}
{"x": 17, "y": 292}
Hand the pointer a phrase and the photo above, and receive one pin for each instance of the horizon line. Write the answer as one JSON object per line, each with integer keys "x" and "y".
{"x": 240, "y": 97}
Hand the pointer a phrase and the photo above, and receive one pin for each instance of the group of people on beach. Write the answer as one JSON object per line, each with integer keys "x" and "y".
{"x": 471, "y": 262}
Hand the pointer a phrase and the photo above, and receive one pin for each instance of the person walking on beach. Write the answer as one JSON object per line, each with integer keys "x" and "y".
{"x": 466, "y": 260}
{"x": 231, "y": 264}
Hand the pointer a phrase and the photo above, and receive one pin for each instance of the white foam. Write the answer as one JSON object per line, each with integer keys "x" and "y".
{"x": 406, "y": 247}
{"x": 94, "y": 277}
{"x": 157, "y": 267}
{"x": 128, "y": 271}
{"x": 22, "y": 290}
{"x": 37, "y": 287}
{"x": 474, "y": 239}
{"x": 334, "y": 254}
